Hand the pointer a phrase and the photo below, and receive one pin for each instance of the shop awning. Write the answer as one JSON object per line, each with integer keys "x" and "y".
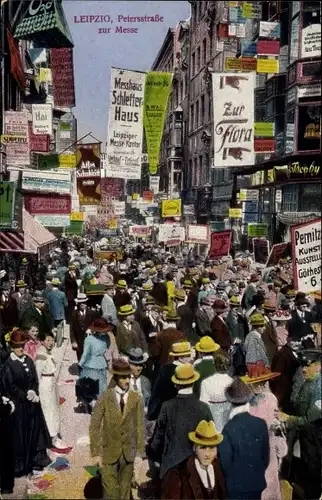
{"x": 294, "y": 218}
{"x": 11, "y": 242}
{"x": 36, "y": 235}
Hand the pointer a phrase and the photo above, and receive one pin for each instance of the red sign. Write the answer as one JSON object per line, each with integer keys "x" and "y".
{"x": 276, "y": 254}
{"x": 147, "y": 196}
{"x": 38, "y": 143}
{"x": 16, "y": 66}
{"x": 43, "y": 205}
{"x": 261, "y": 249}
{"x": 264, "y": 145}
{"x": 111, "y": 188}
{"x": 63, "y": 77}
{"x": 220, "y": 245}
{"x": 268, "y": 47}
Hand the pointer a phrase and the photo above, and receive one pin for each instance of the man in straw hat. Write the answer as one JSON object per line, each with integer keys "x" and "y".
{"x": 199, "y": 476}
{"x": 38, "y": 314}
{"x": 117, "y": 424}
{"x": 170, "y": 444}
{"x": 161, "y": 343}
{"x": 244, "y": 451}
{"x": 254, "y": 346}
{"x": 163, "y": 388}
{"x": 236, "y": 321}
{"x": 204, "y": 364}
{"x": 129, "y": 334}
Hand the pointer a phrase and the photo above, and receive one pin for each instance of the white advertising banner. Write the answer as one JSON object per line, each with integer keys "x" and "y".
{"x": 309, "y": 91}
{"x": 125, "y": 125}
{"x": 169, "y": 233}
{"x": 198, "y": 234}
{"x": 140, "y": 231}
{"x": 49, "y": 181}
{"x": 154, "y": 183}
{"x": 311, "y": 41}
{"x": 53, "y": 220}
{"x": 233, "y": 119}
{"x": 91, "y": 209}
{"x": 42, "y": 119}
{"x": 16, "y": 138}
{"x": 118, "y": 208}
{"x": 306, "y": 252}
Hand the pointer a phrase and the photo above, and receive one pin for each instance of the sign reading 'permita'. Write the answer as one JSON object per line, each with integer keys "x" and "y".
{"x": 125, "y": 125}
{"x": 233, "y": 119}
{"x": 306, "y": 253}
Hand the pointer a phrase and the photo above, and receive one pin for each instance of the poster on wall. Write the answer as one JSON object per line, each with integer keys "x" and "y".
{"x": 311, "y": 41}
{"x": 125, "y": 127}
{"x": 42, "y": 119}
{"x": 220, "y": 245}
{"x": 62, "y": 68}
{"x": 306, "y": 254}
{"x": 16, "y": 137}
{"x": 233, "y": 119}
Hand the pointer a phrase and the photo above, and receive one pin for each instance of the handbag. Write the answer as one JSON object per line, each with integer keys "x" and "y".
{"x": 86, "y": 389}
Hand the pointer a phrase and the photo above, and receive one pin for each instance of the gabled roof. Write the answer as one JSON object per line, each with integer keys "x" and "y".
{"x": 169, "y": 39}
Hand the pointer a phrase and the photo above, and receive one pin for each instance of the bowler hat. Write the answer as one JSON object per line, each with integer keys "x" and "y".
{"x": 149, "y": 300}
{"x": 234, "y": 301}
{"x": 38, "y": 297}
{"x": 137, "y": 356}
{"x": 172, "y": 316}
{"x": 185, "y": 375}
{"x": 257, "y": 319}
{"x": 219, "y": 306}
{"x": 206, "y": 434}
{"x": 254, "y": 278}
{"x": 121, "y": 367}
{"x": 238, "y": 392}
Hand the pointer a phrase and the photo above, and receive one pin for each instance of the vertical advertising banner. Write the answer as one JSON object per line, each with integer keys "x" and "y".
{"x": 156, "y": 96}
{"x": 233, "y": 119}
{"x": 125, "y": 125}
{"x": 88, "y": 173}
{"x": 63, "y": 77}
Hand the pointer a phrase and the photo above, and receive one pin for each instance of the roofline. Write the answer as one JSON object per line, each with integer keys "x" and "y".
{"x": 169, "y": 36}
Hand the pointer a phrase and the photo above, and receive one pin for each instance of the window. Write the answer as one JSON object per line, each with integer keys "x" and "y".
{"x": 195, "y": 172}
{"x": 176, "y": 93}
{"x": 310, "y": 199}
{"x": 181, "y": 91}
{"x": 200, "y": 168}
{"x": 290, "y": 198}
{"x": 204, "y": 51}
{"x": 192, "y": 117}
{"x": 197, "y": 114}
{"x": 202, "y": 109}
{"x": 209, "y": 109}
{"x": 193, "y": 64}
{"x": 198, "y": 59}
{"x": 207, "y": 163}
{"x": 190, "y": 174}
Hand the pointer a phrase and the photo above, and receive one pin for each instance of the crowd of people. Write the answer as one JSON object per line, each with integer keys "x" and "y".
{"x": 208, "y": 371}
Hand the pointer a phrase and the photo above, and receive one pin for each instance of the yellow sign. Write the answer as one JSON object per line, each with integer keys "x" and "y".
{"x": 112, "y": 224}
{"x": 235, "y": 213}
{"x": 267, "y": 66}
{"x": 241, "y": 64}
{"x": 13, "y": 139}
{"x": 135, "y": 196}
{"x": 232, "y": 4}
{"x": 270, "y": 175}
{"x": 247, "y": 10}
{"x": 109, "y": 255}
{"x": 264, "y": 129}
{"x": 44, "y": 75}
{"x": 171, "y": 208}
{"x": 77, "y": 216}
{"x": 67, "y": 161}
{"x": 258, "y": 178}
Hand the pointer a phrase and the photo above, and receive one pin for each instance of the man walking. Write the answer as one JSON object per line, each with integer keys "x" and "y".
{"x": 57, "y": 303}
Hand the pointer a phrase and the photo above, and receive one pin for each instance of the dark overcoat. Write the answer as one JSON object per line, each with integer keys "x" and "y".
{"x": 162, "y": 391}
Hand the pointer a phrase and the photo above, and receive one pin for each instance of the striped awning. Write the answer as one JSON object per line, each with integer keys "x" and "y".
{"x": 12, "y": 242}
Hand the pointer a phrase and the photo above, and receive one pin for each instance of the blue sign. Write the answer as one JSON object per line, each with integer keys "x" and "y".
{"x": 236, "y": 16}
{"x": 108, "y": 233}
{"x": 251, "y": 207}
{"x": 249, "y": 218}
{"x": 248, "y": 48}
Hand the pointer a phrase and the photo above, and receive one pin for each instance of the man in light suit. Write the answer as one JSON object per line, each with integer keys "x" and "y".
{"x": 121, "y": 436}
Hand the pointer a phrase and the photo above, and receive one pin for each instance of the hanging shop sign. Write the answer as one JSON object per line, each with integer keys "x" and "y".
{"x": 233, "y": 119}
{"x": 248, "y": 48}
{"x": 235, "y": 213}
{"x": 38, "y": 143}
{"x": 47, "y": 161}
{"x": 41, "y": 205}
{"x": 53, "y": 220}
{"x": 297, "y": 171}
{"x": 88, "y": 173}
{"x": 220, "y": 245}
{"x": 76, "y": 228}
{"x": 236, "y": 30}
{"x": 261, "y": 250}
{"x": 156, "y": 96}
{"x": 198, "y": 234}
{"x": 257, "y": 230}
{"x": 77, "y": 216}
{"x": 311, "y": 41}
{"x": 268, "y": 47}
{"x": 118, "y": 208}
{"x": 306, "y": 255}
{"x": 236, "y": 16}
{"x": 42, "y": 119}
{"x": 62, "y": 67}
{"x": 267, "y": 66}
{"x": 264, "y": 129}
{"x": 44, "y": 24}
{"x": 171, "y": 234}
{"x": 264, "y": 145}
{"x": 16, "y": 65}
{"x": 140, "y": 231}
{"x": 50, "y": 182}
{"x": 189, "y": 210}
{"x": 240, "y": 64}
{"x": 89, "y": 190}
{"x": 125, "y": 131}
{"x": 67, "y": 134}
{"x": 277, "y": 253}
{"x": 248, "y": 195}
{"x": 67, "y": 161}
{"x": 7, "y": 204}
{"x": 154, "y": 181}
{"x": 269, "y": 29}
{"x": 305, "y": 91}
{"x": 17, "y": 149}
{"x": 171, "y": 208}
{"x": 251, "y": 10}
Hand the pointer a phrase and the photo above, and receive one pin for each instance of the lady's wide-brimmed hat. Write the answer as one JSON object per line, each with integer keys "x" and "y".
{"x": 137, "y": 356}
{"x": 219, "y": 306}
{"x": 18, "y": 338}
{"x": 180, "y": 349}
{"x": 81, "y": 298}
{"x": 126, "y": 310}
{"x": 261, "y": 376}
{"x": 234, "y": 301}
{"x": 99, "y": 325}
{"x": 282, "y": 315}
{"x": 185, "y": 375}
{"x": 206, "y": 434}
{"x": 121, "y": 367}
{"x": 238, "y": 392}
{"x": 121, "y": 284}
{"x": 207, "y": 345}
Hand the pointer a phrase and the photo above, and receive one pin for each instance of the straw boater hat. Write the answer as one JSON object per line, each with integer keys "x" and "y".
{"x": 185, "y": 375}
{"x": 17, "y": 338}
{"x": 281, "y": 315}
{"x": 126, "y": 310}
{"x": 291, "y": 293}
{"x": 179, "y": 294}
{"x": 187, "y": 284}
{"x": 257, "y": 320}
{"x": 121, "y": 284}
{"x": 234, "y": 301}
{"x": 72, "y": 267}
{"x": 99, "y": 325}
{"x": 180, "y": 349}
{"x": 220, "y": 306}
{"x": 238, "y": 393}
{"x": 207, "y": 345}
{"x": 81, "y": 298}
{"x": 172, "y": 316}
{"x": 206, "y": 434}
{"x": 121, "y": 367}
{"x": 21, "y": 284}
{"x": 205, "y": 280}
{"x": 149, "y": 300}
{"x": 147, "y": 287}
{"x": 55, "y": 282}
{"x": 137, "y": 356}
{"x": 317, "y": 295}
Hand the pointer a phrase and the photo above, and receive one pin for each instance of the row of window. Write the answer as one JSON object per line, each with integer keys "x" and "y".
{"x": 199, "y": 171}
{"x": 198, "y": 10}
{"x": 199, "y": 114}
{"x": 199, "y": 57}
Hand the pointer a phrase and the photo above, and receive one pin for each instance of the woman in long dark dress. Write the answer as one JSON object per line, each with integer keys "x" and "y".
{"x": 7, "y": 463}
{"x": 20, "y": 383}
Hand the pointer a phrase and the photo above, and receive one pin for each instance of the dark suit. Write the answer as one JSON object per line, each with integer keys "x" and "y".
{"x": 202, "y": 323}
{"x": 161, "y": 344}
{"x": 43, "y": 320}
{"x": 79, "y": 325}
{"x": 220, "y": 333}
{"x": 270, "y": 341}
{"x": 162, "y": 391}
{"x": 183, "y": 483}
{"x": 9, "y": 313}
{"x": 286, "y": 364}
{"x": 187, "y": 317}
{"x": 170, "y": 444}
{"x": 297, "y": 328}
{"x": 71, "y": 288}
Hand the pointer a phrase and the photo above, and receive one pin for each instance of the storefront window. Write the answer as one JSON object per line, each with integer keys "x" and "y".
{"x": 294, "y": 40}
{"x": 310, "y": 198}
{"x": 290, "y": 198}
